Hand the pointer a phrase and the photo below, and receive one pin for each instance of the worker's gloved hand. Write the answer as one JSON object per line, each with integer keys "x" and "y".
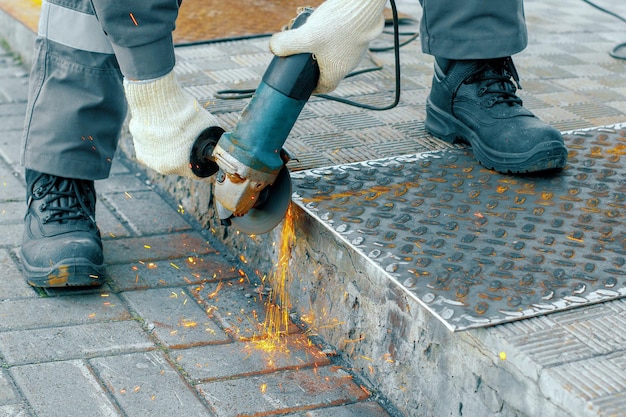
{"x": 165, "y": 122}
{"x": 338, "y": 33}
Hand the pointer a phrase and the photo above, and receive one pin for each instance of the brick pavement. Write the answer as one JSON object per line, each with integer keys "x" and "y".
{"x": 565, "y": 364}
{"x": 166, "y": 335}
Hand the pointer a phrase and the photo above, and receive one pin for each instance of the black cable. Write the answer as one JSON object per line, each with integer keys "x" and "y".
{"x": 234, "y": 94}
{"x": 231, "y": 94}
{"x": 412, "y": 37}
{"x": 613, "y": 52}
{"x": 396, "y": 48}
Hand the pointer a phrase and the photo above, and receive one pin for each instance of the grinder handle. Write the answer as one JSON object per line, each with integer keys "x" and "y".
{"x": 295, "y": 76}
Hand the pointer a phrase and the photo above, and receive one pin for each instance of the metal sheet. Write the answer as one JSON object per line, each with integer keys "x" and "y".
{"x": 475, "y": 247}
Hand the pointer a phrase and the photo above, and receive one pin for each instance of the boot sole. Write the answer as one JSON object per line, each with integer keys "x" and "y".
{"x": 66, "y": 273}
{"x": 545, "y": 156}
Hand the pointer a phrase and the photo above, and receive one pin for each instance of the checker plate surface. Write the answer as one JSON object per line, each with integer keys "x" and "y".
{"x": 477, "y": 248}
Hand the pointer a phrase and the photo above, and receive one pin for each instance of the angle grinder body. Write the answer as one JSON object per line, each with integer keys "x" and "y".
{"x": 252, "y": 186}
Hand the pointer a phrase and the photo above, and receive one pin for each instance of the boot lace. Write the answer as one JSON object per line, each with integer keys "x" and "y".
{"x": 494, "y": 77}
{"x": 64, "y": 199}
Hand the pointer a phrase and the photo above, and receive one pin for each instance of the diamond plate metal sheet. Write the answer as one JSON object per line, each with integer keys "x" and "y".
{"x": 477, "y": 248}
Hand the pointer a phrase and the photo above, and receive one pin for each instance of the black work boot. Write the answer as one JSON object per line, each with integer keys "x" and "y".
{"x": 61, "y": 245}
{"x": 475, "y": 102}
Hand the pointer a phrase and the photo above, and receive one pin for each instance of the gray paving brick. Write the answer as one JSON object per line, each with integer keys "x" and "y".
{"x": 121, "y": 183}
{"x": 151, "y": 248}
{"x": 10, "y": 147}
{"x": 191, "y": 270}
{"x": 11, "y": 235}
{"x": 12, "y": 285}
{"x": 12, "y": 212}
{"x": 22, "y": 347}
{"x": 282, "y": 392}
{"x": 12, "y": 109}
{"x": 147, "y": 213}
{"x": 12, "y": 122}
{"x": 59, "y": 311}
{"x": 365, "y": 409}
{"x": 242, "y": 317}
{"x": 110, "y": 226}
{"x": 14, "y": 89}
{"x": 7, "y": 391}
{"x": 240, "y": 359}
{"x": 63, "y": 389}
{"x": 9, "y": 69}
{"x": 145, "y": 384}
{"x": 10, "y": 187}
{"x": 175, "y": 317}
{"x": 14, "y": 410}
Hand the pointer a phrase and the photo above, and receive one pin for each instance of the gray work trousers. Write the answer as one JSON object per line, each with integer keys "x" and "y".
{"x": 76, "y": 104}
{"x": 84, "y": 48}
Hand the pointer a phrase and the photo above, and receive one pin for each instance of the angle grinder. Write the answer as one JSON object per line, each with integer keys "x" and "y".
{"x": 252, "y": 184}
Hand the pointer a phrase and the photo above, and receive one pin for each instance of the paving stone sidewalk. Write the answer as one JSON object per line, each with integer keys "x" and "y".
{"x": 169, "y": 333}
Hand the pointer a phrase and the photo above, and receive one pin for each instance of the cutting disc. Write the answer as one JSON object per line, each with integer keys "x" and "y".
{"x": 271, "y": 209}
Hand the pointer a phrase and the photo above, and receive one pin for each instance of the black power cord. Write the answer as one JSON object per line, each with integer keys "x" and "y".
{"x": 614, "y": 51}
{"x": 396, "y": 49}
{"x": 230, "y": 94}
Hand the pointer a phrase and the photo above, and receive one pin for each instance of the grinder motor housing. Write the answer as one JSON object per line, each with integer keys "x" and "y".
{"x": 251, "y": 157}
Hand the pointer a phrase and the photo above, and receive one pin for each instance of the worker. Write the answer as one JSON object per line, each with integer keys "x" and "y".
{"x": 94, "y": 59}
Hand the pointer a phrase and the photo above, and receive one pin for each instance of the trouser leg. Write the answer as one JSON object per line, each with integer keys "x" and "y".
{"x": 473, "y": 29}
{"x": 140, "y": 33}
{"x": 76, "y": 99}
{"x": 76, "y": 102}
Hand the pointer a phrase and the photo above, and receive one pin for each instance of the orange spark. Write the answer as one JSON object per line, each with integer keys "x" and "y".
{"x": 132, "y": 16}
{"x": 388, "y": 358}
{"x": 188, "y": 323}
{"x": 217, "y": 290}
{"x": 277, "y": 307}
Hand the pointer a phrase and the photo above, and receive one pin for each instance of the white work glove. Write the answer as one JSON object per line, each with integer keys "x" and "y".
{"x": 338, "y": 34}
{"x": 165, "y": 122}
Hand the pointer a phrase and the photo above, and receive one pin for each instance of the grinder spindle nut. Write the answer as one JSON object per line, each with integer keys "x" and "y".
{"x": 201, "y": 159}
